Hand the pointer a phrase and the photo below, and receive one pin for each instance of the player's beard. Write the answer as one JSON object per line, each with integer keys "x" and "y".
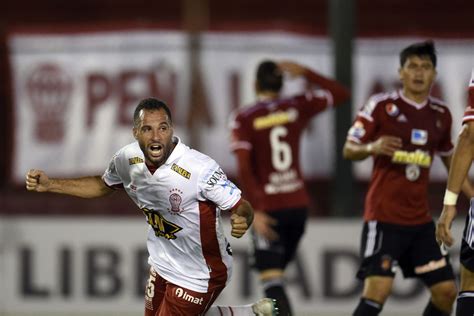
{"x": 153, "y": 160}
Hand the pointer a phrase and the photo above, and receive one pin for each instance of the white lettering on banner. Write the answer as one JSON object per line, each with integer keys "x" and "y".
{"x": 75, "y": 109}
{"x": 100, "y": 265}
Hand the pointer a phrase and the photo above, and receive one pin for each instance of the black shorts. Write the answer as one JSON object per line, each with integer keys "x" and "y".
{"x": 414, "y": 249}
{"x": 278, "y": 253}
{"x": 467, "y": 244}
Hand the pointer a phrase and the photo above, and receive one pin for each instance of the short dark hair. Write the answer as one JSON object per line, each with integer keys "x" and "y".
{"x": 150, "y": 104}
{"x": 269, "y": 76}
{"x": 426, "y": 48}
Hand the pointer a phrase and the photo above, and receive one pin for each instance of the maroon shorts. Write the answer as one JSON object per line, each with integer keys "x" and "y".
{"x": 163, "y": 298}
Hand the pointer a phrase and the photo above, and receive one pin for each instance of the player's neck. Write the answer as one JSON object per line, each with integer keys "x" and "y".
{"x": 266, "y": 95}
{"x": 418, "y": 97}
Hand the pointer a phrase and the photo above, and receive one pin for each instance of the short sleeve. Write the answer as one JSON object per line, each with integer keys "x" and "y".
{"x": 214, "y": 186}
{"x": 365, "y": 124}
{"x": 111, "y": 176}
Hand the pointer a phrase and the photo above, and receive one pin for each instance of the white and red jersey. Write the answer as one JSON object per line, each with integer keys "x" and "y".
{"x": 398, "y": 189}
{"x": 469, "y": 113}
{"x": 182, "y": 201}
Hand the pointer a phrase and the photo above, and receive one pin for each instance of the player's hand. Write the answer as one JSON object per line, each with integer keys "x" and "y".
{"x": 37, "y": 180}
{"x": 443, "y": 226}
{"x": 291, "y": 68}
{"x": 239, "y": 225}
{"x": 263, "y": 225}
{"x": 386, "y": 145}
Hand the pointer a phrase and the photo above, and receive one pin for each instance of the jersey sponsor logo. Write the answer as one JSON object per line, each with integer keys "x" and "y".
{"x": 229, "y": 184}
{"x": 357, "y": 130}
{"x": 180, "y": 293}
{"x": 217, "y": 176}
{"x": 135, "y": 160}
{"x": 419, "y": 136}
{"x": 161, "y": 226}
{"x": 418, "y": 157}
{"x": 181, "y": 171}
{"x": 431, "y": 266}
{"x": 175, "y": 201}
{"x": 392, "y": 109}
{"x": 276, "y": 118}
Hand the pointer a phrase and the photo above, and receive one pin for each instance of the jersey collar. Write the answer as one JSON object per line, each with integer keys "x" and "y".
{"x": 418, "y": 106}
{"x": 177, "y": 152}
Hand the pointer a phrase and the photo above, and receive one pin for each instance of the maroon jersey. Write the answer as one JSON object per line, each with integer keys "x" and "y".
{"x": 398, "y": 190}
{"x": 271, "y": 131}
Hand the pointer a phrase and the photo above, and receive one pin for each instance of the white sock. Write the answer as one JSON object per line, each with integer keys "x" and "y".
{"x": 241, "y": 310}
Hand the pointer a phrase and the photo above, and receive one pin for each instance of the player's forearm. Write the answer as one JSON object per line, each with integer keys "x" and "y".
{"x": 86, "y": 187}
{"x": 354, "y": 151}
{"x": 339, "y": 92}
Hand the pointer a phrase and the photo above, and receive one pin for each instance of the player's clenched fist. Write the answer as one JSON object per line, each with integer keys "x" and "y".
{"x": 239, "y": 225}
{"x": 37, "y": 180}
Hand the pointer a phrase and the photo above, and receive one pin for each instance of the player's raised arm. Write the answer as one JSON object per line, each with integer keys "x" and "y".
{"x": 85, "y": 187}
{"x": 338, "y": 91}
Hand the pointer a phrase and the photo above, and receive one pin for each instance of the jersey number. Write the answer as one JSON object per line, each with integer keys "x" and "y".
{"x": 281, "y": 150}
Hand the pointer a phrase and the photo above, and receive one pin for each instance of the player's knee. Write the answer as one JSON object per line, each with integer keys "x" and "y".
{"x": 444, "y": 293}
{"x": 377, "y": 288}
{"x": 271, "y": 274}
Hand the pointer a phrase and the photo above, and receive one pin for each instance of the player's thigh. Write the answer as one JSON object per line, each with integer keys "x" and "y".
{"x": 429, "y": 261}
{"x": 380, "y": 248}
{"x": 467, "y": 279}
{"x": 154, "y": 292}
{"x": 181, "y": 301}
{"x": 292, "y": 231}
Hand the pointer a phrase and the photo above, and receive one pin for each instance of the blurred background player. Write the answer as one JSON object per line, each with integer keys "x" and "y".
{"x": 181, "y": 193}
{"x": 462, "y": 160}
{"x": 403, "y": 130}
{"x": 266, "y": 140}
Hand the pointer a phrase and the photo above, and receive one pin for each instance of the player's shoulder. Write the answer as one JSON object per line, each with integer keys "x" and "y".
{"x": 438, "y": 105}
{"x": 248, "y": 110}
{"x": 377, "y": 100}
{"x": 197, "y": 160}
{"x": 125, "y": 152}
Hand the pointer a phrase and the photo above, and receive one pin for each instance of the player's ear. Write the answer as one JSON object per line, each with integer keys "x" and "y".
{"x": 135, "y": 133}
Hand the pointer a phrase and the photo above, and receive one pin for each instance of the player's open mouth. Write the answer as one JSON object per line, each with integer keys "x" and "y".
{"x": 155, "y": 150}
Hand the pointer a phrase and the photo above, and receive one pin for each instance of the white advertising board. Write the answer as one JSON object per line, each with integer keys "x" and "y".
{"x": 98, "y": 266}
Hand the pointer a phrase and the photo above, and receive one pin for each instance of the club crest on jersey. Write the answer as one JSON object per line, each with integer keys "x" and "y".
{"x": 135, "y": 160}
{"x": 181, "y": 171}
{"x": 419, "y": 136}
{"x": 175, "y": 201}
{"x": 392, "y": 109}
